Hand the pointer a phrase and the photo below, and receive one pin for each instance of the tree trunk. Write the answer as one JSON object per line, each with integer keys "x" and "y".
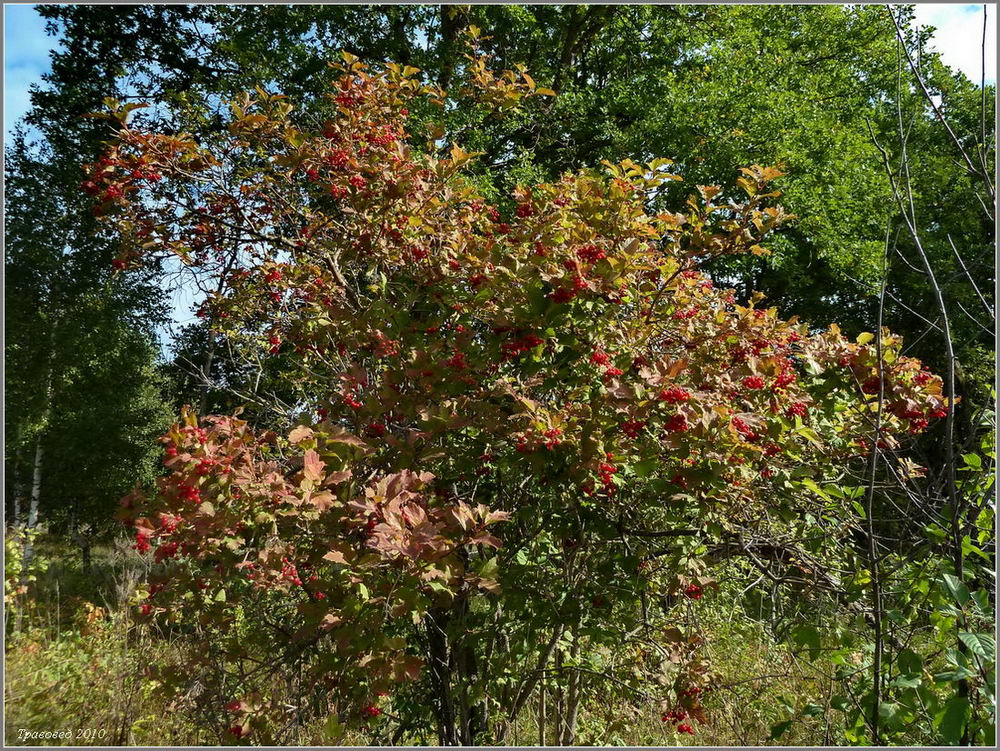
{"x": 573, "y": 25}
{"x": 583, "y": 24}
{"x": 452, "y": 21}
{"x": 36, "y": 472}
{"x": 541, "y": 711}
{"x": 527, "y": 687}
{"x": 573, "y": 699}
{"x": 18, "y": 491}
{"x": 17, "y": 468}
{"x": 474, "y": 716}
{"x": 441, "y": 669}
{"x": 85, "y": 552}
{"x": 36, "y": 492}
{"x": 206, "y": 375}
{"x": 560, "y": 716}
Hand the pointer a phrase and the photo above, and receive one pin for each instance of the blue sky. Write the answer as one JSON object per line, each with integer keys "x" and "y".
{"x": 26, "y": 57}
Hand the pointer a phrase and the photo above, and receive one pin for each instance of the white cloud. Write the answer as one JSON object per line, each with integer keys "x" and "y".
{"x": 958, "y": 36}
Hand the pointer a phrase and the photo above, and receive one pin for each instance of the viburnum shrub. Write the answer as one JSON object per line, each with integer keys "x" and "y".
{"x": 555, "y": 374}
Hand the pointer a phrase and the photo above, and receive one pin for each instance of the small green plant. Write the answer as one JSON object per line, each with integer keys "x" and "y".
{"x": 19, "y": 577}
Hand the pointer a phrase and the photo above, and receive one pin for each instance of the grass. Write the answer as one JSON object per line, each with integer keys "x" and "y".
{"x": 77, "y": 663}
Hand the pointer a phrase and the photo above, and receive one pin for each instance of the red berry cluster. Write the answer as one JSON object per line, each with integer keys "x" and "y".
{"x": 693, "y": 592}
{"x": 524, "y": 343}
{"x": 552, "y": 437}
{"x": 610, "y": 373}
{"x": 797, "y": 409}
{"x": 566, "y": 294}
{"x": 591, "y": 253}
{"x": 164, "y": 551}
{"x": 784, "y": 378}
{"x": 677, "y": 716}
{"x": 744, "y": 430}
{"x": 600, "y": 357}
{"x": 189, "y": 493}
{"x": 142, "y": 542}
{"x": 673, "y": 395}
{"x": 677, "y": 424}
{"x": 606, "y": 472}
{"x": 457, "y": 361}
{"x": 632, "y": 428}
{"x": 290, "y": 573}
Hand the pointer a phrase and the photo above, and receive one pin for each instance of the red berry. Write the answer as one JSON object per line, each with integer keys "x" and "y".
{"x": 673, "y": 395}
{"x": 693, "y": 591}
{"x": 798, "y": 408}
{"x": 677, "y": 424}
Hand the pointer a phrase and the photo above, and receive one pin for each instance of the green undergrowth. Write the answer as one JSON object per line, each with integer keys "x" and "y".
{"x": 77, "y": 665}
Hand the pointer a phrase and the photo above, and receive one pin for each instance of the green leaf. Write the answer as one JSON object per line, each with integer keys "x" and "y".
{"x": 910, "y": 662}
{"x": 982, "y": 646}
{"x": 645, "y": 467}
{"x": 812, "y": 436}
{"x": 779, "y": 730}
{"x": 907, "y": 681}
{"x": 973, "y": 460}
{"x": 982, "y": 600}
{"x": 807, "y": 636}
{"x": 812, "y": 710}
{"x": 489, "y": 569}
{"x": 333, "y": 730}
{"x": 952, "y": 720}
{"x": 956, "y": 587}
{"x": 811, "y": 484}
{"x": 887, "y": 710}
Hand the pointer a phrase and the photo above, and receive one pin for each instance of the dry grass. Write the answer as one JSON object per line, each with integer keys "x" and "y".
{"x": 76, "y": 662}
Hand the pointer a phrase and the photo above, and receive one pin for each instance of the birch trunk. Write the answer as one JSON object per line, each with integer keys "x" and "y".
{"x": 36, "y": 492}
